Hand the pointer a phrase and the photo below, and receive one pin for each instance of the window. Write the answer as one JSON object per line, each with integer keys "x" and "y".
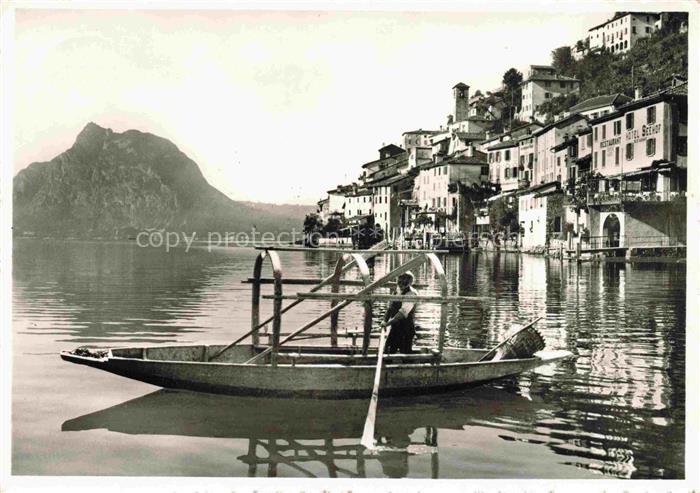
{"x": 634, "y": 29}
{"x": 602, "y": 159}
{"x": 547, "y": 84}
{"x": 603, "y": 137}
{"x": 589, "y": 140}
{"x": 647, "y": 30}
{"x": 617, "y": 127}
{"x": 625, "y": 44}
{"x": 595, "y": 134}
{"x": 484, "y": 170}
{"x": 557, "y": 224}
{"x": 522, "y": 160}
{"x": 629, "y": 119}
{"x": 651, "y": 114}
{"x": 547, "y": 95}
{"x": 595, "y": 159}
{"x": 507, "y": 158}
{"x": 507, "y": 172}
{"x": 562, "y": 85}
{"x": 651, "y": 147}
{"x": 558, "y": 161}
{"x": 629, "y": 152}
{"x": 683, "y": 146}
{"x": 498, "y": 157}
{"x": 617, "y": 156}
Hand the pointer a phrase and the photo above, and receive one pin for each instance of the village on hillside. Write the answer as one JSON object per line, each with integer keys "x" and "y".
{"x": 533, "y": 166}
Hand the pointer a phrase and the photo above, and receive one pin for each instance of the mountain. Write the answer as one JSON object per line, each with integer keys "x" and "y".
{"x": 114, "y": 184}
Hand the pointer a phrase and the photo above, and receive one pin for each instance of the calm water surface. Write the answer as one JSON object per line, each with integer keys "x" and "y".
{"x": 617, "y": 411}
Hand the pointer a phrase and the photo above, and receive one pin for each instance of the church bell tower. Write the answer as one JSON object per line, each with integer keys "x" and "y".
{"x": 461, "y": 97}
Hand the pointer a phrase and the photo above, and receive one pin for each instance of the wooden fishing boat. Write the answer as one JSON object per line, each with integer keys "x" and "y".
{"x": 283, "y": 369}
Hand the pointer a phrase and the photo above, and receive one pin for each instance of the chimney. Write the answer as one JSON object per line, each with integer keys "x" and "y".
{"x": 637, "y": 93}
{"x": 470, "y": 150}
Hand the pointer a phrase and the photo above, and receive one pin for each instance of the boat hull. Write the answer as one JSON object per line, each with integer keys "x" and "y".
{"x": 312, "y": 380}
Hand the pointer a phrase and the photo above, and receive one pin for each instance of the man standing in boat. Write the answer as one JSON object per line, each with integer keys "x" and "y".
{"x": 399, "y": 317}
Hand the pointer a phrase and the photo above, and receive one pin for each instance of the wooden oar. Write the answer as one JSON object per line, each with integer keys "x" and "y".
{"x": 491, "y": 353}
{"x": 368, "y": 433}
{"x": 372, "y": 252}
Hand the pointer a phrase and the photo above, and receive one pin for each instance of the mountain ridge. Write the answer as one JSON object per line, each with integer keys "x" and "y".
{"x": 110, "y": 184}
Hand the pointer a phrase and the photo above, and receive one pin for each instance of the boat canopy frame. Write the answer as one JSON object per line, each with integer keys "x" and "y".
{"x": 347, "y": 261}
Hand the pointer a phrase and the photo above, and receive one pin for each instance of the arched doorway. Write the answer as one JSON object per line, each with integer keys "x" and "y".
{"x": 611, "y": 231}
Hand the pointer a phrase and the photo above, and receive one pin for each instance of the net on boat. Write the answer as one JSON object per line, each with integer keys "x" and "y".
{"x": 522, "y": 344}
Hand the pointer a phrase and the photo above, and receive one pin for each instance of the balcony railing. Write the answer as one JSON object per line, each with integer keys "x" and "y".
{"x": 615, "y": 197}
{"x": 596, "y": 242}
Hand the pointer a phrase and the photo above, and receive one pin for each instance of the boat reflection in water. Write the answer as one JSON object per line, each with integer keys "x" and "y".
{"x": 297, "y": 432}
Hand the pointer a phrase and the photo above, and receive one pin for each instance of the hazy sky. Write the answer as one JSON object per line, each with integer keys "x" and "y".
{"x": 275, "y": 107}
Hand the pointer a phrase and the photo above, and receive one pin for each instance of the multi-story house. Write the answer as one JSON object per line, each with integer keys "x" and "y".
{"x": 418, "y": 138}
{"x": 543, "y": 84}
{"x": 387, "y": 195}
{"x": 389, "y": 156}
{"x": 437, "y": 193}
{"x": 641, "y": 152}
{"x": 337, "y": 200}
{"x": 620, "y": 33}
{"x": 546, "y": 167}
{"x": 358, "y": 204}
{"x": 504, "y": 160}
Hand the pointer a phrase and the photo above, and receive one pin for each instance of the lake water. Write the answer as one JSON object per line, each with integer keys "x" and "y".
{"x": 617, "y": 411}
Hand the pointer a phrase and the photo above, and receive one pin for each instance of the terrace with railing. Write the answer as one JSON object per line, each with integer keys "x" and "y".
{"x": 625, "y": 241}
{"x": 616, "y": 197}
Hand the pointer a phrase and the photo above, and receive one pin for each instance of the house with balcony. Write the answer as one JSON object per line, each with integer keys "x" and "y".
{"x": 639, "y": 166}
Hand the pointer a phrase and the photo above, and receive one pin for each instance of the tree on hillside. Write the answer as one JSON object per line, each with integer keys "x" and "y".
{"x": 563, "y": 61}
{"x": 512, "y": 79}
{"x": 512, "y": 95}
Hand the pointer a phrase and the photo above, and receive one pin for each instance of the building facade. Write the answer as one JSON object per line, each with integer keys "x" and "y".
{"x": 543, "y": 84}
{"x": 546, "y": 167}
{"x": 620, "y": 33}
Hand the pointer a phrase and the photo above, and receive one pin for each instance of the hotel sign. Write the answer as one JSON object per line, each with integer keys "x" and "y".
{"x": 636, "y": 135}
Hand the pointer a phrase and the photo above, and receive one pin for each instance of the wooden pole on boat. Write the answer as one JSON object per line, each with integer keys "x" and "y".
{"x": 362, "y": 266}
{"x": 415, "y": 261}
{"x": 368, "y": 432}
{"x": 378, "y": 248}
{"x": 440, "y": 271}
